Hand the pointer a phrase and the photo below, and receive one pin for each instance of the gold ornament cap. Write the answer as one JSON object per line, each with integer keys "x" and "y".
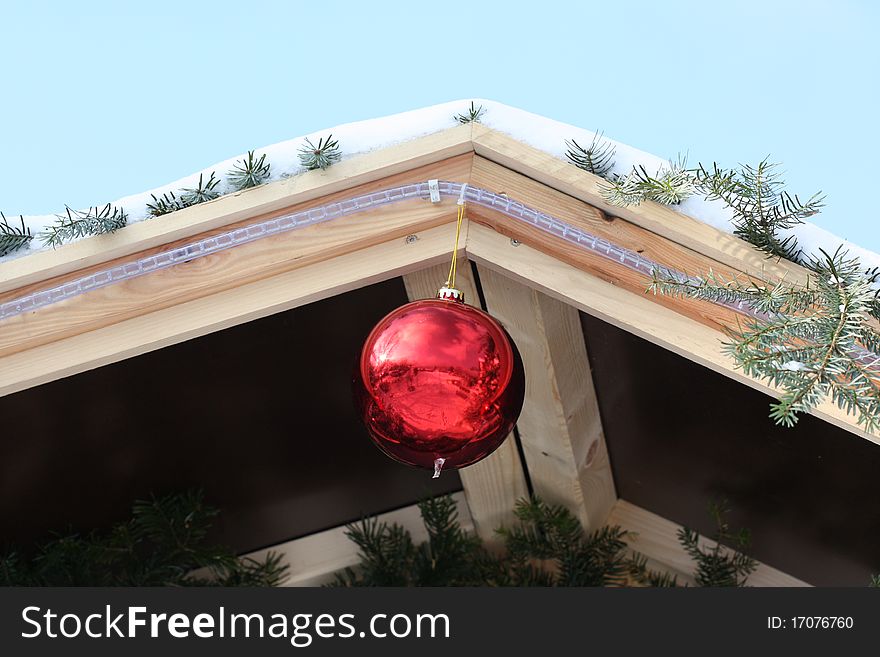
{"x": 450, "y": 294}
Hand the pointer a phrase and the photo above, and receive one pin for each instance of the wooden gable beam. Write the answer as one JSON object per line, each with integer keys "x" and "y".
{"x": 635, "y": 313}
{"x": 238, "y": 206}
{"x": 234, "y": 267}
{"x": 560, "y": 428}
{"x": 679, "y": 228}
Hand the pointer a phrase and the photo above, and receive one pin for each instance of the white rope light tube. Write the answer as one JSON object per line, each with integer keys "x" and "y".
{"x": 293, "y": 221}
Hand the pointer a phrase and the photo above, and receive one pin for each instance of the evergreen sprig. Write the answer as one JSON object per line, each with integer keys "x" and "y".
{"x": 814, "y": 341}
{"x": 389, "y": 557}
{"x": 164, "y": 204}
{"x": 164, "y": 543}
{"x": 725, "y": 562}
{"x": 206, "y": 190}
{"x": 597, "y": 158}
{"x": 322, "y": 156}
{"x": 671, "y": 185}
{"x": 75, "y": 224}
{"x": 249, "y": 172}
{"x": 761, "y": 206}
{"x": 547, "y": 547}
{"x": 550, "y": 548}
{"x": 472, "y": 115}
{"x": 13, "y": 238}
{"x": 169, "y": 202}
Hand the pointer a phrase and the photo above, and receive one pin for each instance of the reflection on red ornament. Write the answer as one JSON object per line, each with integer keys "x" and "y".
{"x": 439, "y": 384}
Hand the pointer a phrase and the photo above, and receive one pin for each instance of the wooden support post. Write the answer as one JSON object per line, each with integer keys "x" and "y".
{"x": 560, "y": 428}
{"x": 493, "y": 485}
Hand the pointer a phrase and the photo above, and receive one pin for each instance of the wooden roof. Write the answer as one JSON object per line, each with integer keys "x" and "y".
{"x": 279, "y": 272}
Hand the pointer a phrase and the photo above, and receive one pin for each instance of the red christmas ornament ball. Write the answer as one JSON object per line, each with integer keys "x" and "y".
{"x": 438, "y": 384}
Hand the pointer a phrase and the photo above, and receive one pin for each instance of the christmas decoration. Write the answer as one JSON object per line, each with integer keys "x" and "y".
{"x": 473, "y": 114}
{"x": 439, "y": 383}
{"x": 597, "y": 158}
{"x": 166, "y": 542}
{"x": 249, "y": 172}
{"x": 321, "y": 156}
{"x": 13, "y": 238}
{"x": 547, "y": 547}
{"x": 813, "y": 341}
{"x": 74, "y": 224}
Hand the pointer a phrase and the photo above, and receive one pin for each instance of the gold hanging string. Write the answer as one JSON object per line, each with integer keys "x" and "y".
{"x": 450, "y": 280}
{"x": 453, "y": 266}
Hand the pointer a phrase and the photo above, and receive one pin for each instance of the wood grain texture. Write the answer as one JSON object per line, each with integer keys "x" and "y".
{"x": 492, "y": 486}
{"x": 631, "y": 312}
{"x": 224, "y": 309}
{"x": 234, "y": 267}
{"x": 496, "y": 178}
{"x": 236, "y": 207}
{"x": 656, "y": 538}
{"x": 560, "y": 428}
{"x": 314, "y": 559}
{"x": 674, "y": 226}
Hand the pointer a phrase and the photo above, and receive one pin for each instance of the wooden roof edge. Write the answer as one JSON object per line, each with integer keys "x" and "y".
{"x": 235, "y": 207}
{"x": 683, "y": 229}
{"x": 369, "y": 167}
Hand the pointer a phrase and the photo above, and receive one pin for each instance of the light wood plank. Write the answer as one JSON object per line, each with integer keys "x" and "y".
{"x": 234, "y": 267}
{"x": 314, "y": 559}
{"x": 496, "y": 178}
{"x": 657, "y": 538}
{"x": 631, "y": 312}
{"x": 492, "y": 486}
{"x": 191, "y": 319}
{"x": 675, "y": 226}
{"x": 559, "y": 428}
{"x": 238, "y": 206}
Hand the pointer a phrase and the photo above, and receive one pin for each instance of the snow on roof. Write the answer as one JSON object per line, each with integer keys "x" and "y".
{"x": 540, "y": 132}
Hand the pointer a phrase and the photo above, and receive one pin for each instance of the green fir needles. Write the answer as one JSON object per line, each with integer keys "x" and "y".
{"x": 761, "y": 206}
{"x": 547, "y": 547}
{"x": 249, "y": 172}
{"x": 550, "y": 548}
{"x": 13, "y": 238}
{"x": 165, "y": 542}
{"x": 597, "y": 158}
{"x": 205, "y": 191}
{"x": 320, "y": 156}
{"x": 472, "y": 115}
{"x": 813, "y": 341}
{"x": 724, "y": 561}
{"x": 164, "y": 204}
{"x": 74, "y": 224}
{"x": 671, "y": 185}
{"x": 762, "y": 209}
{"x": 389, "y": 557}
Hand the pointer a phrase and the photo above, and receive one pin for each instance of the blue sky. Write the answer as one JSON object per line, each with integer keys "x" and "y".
{"x": 101, "y": 100}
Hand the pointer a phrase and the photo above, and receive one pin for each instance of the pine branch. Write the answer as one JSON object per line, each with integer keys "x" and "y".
{"x": 164, "y": 543}
{"x": 75, "y": 224}
{"x": 472, "y": 115}
{"x": 719, "y": 565}
{"x": 249, "y": 172}
{"x": 13, "y": 238}
{"x": 597, "y": 158}
{"x": 205, "y": 191}
{"x": 165, "y": 204}
{"x": 671, "y": 185}
{"x": 322, "y": 156}
{"x": 761, "y": 207}
{"x": 814, "y": 341}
